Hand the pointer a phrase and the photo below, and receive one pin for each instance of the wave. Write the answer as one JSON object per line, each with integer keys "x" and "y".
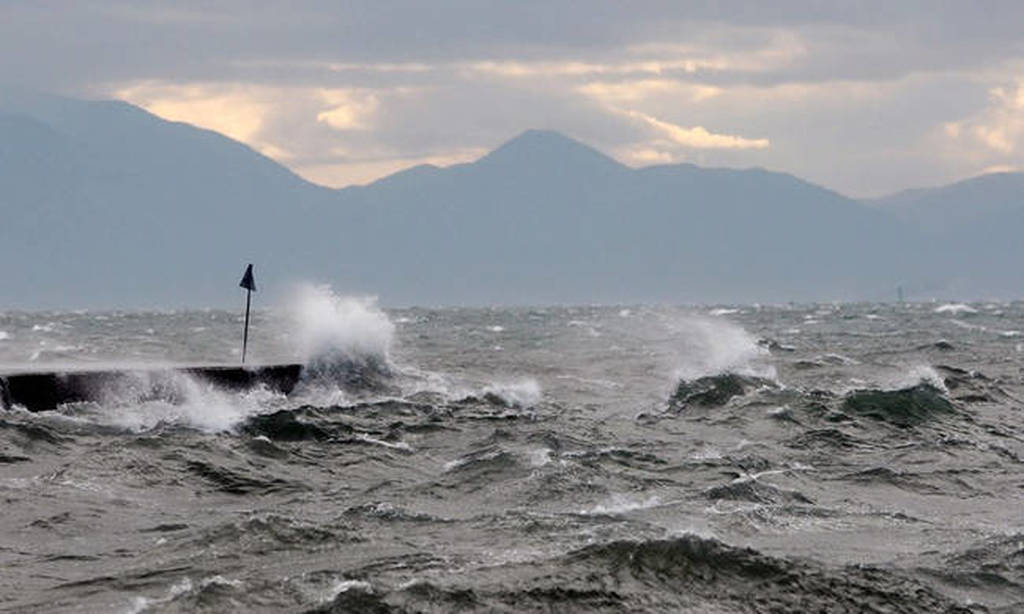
{"x": 345, "y": 342}
{"x": 290, "y": 425}
{"x": 387, "y": 512}
{"x": 686, "y": 573}
{"x": 521, "y": 394}
{"x": 711, "y": 346}
{"x": 714, "y": 390}
{"x": 240, "y": 481}
{"x": 905, "y": 407}
{"x": 955, "y": 308}
{"x": 753, "y": 491}
{"x": 331, "y": 327}
{"x": 144, "y": 401}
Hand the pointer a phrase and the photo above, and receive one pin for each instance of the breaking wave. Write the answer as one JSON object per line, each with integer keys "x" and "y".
{"x": 714, "y": 346}
{"x": 142, "y": 401}
{"x": 345, "y": 342}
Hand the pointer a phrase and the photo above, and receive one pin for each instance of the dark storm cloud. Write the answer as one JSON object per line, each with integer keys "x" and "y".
{"x": 72, "y": 44}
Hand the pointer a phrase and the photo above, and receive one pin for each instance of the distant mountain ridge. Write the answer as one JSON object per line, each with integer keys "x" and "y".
{"x": 104, "y": 204}
{"x": 948, "y": 208}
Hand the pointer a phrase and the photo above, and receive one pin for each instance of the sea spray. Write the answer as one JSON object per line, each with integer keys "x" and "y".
{"x": 523, "y": 393}
{"x": 712, "y": 346}
{"x": 328, "y": 326}
{"x": 345, "y": 342}
{"x": 144, "y": 401}
{"x": 915, "y": 375}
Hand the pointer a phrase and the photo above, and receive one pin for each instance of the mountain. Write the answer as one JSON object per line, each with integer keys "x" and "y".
{"x": 104, "y": 204}
{"x": 546, "y": 219}
{"x": 948, "y": 209}
{"x": 975, "y": 226}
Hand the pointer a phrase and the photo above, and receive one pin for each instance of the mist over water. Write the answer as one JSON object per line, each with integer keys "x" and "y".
{"x": 569, "y": 459}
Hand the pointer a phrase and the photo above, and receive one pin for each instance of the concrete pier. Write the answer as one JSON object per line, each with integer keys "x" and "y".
{"x": 46, "y": 390}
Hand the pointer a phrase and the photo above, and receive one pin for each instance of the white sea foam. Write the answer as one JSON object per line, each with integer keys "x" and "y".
{"x": 343, "y": 586}
{"x": 401, "y": 445}
{"x": 955, "y": 308}
{"x": 707, "y": 453}
{"x": 620, "y": 504}
{"x": 523, "y": 393}
{"x": 918, "y": 374}
{"x": 183, "y": 587}
{"x": 4, "y": 335}
{"x": 722, "y": 311}
{"x": 146, "y": 400}
{"x": 539, "y": 457}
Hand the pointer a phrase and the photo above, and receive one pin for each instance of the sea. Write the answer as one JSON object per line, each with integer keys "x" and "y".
{"x": 714, "y": 459}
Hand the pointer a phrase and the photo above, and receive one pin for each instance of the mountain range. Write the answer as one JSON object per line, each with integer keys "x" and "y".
{"x": 105, "y": 205}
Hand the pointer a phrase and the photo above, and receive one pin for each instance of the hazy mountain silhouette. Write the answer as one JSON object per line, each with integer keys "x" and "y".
{"x": 948, "y": 209}
{"x": 544, "y": 218}
{"x": 105, "y": 204}
{"x": 975, "y": 226}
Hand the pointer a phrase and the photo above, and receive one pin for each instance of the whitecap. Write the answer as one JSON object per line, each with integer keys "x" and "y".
{"x": 620, "y": 504}
{"x": 523, "y": 393}
{"x": 539, "y": 456}
{"x": 401, "y": 445}
{"x": 710, "y": 346}
{"x": 343, "y": 586}
{"x": 723, "y": 312}
{"x": 955, "y": 308}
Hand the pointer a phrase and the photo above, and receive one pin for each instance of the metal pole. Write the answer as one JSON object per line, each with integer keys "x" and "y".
{"x": 245, "y": 335}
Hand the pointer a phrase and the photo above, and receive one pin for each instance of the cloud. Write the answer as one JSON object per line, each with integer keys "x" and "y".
{"x": 644, "y": 156}
{"x": 994, "y": 136}
{"x": 697, "y": 137}
{"x": 630, "y": 92}
{"x": 232, "y": 110}
{"x": 330, "y": 136}
{"x": 349, "y": 110}
{"x": 863, "y": 101}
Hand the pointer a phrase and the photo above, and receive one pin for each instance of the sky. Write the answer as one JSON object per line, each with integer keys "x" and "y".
{"x": 866, "y": 98}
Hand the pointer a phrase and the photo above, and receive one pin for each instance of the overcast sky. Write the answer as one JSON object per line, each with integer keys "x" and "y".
{"x": 863, "y": 97}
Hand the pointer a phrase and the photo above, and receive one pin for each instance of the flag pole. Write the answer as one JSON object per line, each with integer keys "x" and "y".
{"x": 245, "y": 335}
{"x": 249, "y": 283}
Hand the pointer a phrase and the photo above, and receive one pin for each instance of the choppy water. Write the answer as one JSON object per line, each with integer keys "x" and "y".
{"x": 529, "y": 460}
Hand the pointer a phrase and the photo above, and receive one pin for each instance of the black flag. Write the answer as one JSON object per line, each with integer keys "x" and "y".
{"x": 248, "y": 282}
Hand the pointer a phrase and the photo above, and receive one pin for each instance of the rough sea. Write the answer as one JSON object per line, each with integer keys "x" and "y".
{"x": 748, "y": 458}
